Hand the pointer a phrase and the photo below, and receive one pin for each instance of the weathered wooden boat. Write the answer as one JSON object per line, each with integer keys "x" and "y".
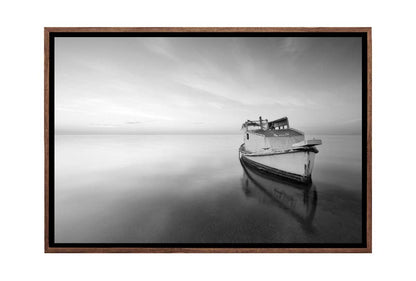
{"x": 277, "y": 148}
{"x": 297, "y": 199}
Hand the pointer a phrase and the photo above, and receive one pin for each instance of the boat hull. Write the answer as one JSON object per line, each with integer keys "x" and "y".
{"x": 296, "y": 165}
{"x": 297, "y": 199}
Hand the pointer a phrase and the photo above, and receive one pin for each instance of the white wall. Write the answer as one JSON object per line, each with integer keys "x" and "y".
{"x": 21, "y": 153}
{"x": 255, "y": 142}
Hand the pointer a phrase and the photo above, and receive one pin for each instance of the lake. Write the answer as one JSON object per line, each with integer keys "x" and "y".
{"x": 193, "y": 189}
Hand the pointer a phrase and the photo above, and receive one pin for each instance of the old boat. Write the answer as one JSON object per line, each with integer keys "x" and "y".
{"x": 277, "y": 148}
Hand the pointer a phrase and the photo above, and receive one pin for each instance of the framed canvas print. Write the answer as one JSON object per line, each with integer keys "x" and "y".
{"x": 207, "y": 140}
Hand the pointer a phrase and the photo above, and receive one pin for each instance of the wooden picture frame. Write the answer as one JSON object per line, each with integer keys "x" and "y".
{"x": 51, "y": 247}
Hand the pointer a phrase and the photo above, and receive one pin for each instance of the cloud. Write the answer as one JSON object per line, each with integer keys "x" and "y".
{"x": 160, "y": 84}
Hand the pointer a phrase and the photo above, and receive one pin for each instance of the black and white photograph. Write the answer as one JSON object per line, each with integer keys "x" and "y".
{"x": 216, "y": 140}
{"x": 210, "y": 141}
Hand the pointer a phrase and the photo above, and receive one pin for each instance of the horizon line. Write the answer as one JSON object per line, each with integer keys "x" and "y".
{"x": 186, "y": 134}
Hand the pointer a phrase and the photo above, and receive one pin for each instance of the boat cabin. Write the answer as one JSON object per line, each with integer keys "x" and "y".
{"x": 276, "y": 135}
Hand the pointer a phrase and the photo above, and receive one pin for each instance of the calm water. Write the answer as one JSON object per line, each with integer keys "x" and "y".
{"x": 193, "y": 189}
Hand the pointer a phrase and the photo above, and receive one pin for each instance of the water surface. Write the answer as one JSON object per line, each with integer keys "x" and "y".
{"x": 193, "y": 189}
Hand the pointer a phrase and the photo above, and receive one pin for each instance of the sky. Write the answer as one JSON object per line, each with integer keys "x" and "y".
{"x": 174, "y": 85}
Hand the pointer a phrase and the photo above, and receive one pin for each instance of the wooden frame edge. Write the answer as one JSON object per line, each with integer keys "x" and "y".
{"x": 48, "y": 30}
{"x": 46, "y": 136}
{"x": 369, "y": 139}
{"x": 208, "y": 250}
{"x": 207, "y": 29}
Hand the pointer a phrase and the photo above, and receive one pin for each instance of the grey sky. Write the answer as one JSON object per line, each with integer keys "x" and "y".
{"x": 206, "y": 85}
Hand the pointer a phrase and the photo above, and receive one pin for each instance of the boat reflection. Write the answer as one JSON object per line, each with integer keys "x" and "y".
{"x": 299, "y": 200}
